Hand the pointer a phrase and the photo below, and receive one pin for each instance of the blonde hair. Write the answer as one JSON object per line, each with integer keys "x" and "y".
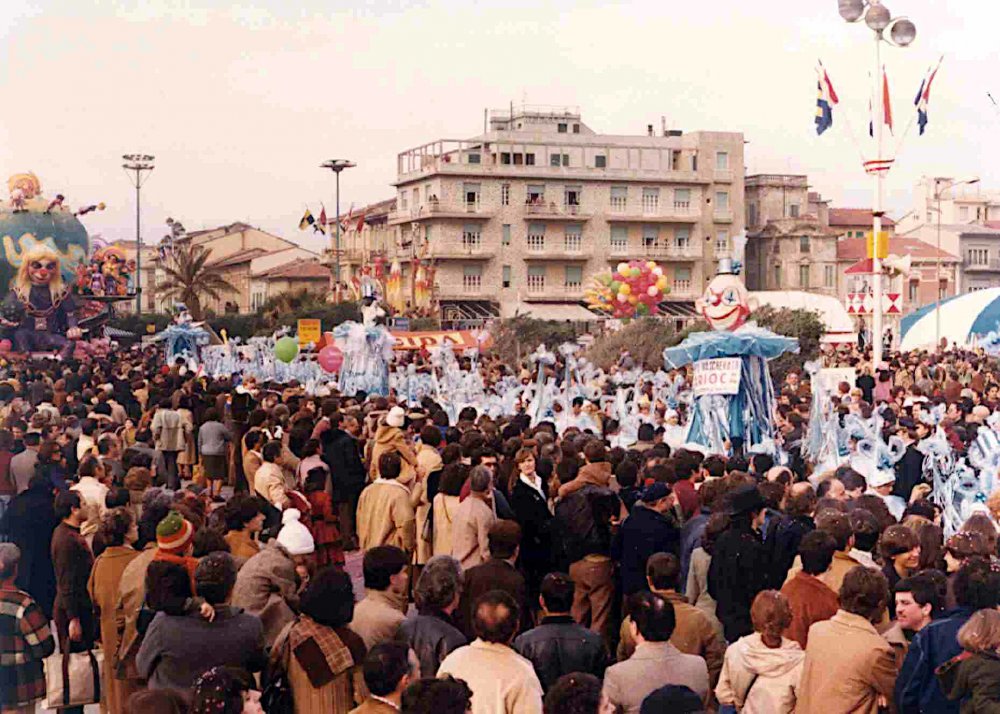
{"x": 981, "y": 633}
{"x": 22, "y": 281}
{"x": 771, "y": 615}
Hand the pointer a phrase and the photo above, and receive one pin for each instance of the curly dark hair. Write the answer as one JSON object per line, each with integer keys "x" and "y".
{"x": 115, "y": 525}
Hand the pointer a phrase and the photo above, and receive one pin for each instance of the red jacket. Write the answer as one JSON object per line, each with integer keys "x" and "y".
{"x": 811, "y": 601}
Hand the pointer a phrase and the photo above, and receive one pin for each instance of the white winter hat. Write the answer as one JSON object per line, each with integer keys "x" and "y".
{"x": 395, "y": 417}
{"x": 881, "y": 477}
{"x": 295, "y": 537}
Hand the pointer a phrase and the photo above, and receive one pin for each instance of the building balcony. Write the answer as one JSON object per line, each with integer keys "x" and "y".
{"x": 557, "y": 250}
{"x": 570, "y": 291}
{"x": 460, "y": 249}
{"x": 440, "y": 209}
{"x": 673, "y": 213}
{"x": 460, "y": 290}
{"x": 722, "y": 215}
{"x": 981, "y": 266}
{"x": 723, "y": 176}
{"x": 553, "y": 212}
{"x": 635, "y": 250}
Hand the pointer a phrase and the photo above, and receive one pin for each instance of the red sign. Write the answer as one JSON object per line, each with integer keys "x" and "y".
{"x": 458, "y": 339}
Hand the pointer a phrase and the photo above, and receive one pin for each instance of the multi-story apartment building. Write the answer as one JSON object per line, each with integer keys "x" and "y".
{"x": 960, "y": 203}
{"x": 790, "y": 244}
{"x": 519, "y": 218}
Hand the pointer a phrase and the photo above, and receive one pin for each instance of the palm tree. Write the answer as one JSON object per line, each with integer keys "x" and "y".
{"x": 189, "y": 278}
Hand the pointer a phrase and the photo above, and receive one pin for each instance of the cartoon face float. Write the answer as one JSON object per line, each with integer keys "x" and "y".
{"x": 727, "y": 303}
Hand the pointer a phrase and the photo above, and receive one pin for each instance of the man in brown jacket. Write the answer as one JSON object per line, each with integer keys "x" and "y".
{"x": 849, "y": 667}
{"x": 808, "y": 596}
{"x": 385, "y": 510}
{"x": 694, "y": 633}
{"x": 387, "y": 578}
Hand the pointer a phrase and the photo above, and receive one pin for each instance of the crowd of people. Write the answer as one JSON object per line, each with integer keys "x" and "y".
{"x": 200, "y": 535}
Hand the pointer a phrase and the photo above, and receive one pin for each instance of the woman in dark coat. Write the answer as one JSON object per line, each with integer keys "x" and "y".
{"x": 531, "y": 508}
{"x": 28, "y": 523}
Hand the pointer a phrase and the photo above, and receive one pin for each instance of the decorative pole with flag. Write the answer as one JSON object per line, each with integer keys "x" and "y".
{"x": 825, "y": 101}
{"x": 337, "y": 165}
{"x": 924, "y": 97}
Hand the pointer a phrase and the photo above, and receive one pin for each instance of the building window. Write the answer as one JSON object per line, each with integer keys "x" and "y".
{"x": 942, "y": 289}
{"x": 471, "y": 237}
{"x": 416, "y": 197}
{"x": 912, "y": 293}
{"x": 963, "y": 213}
{"x": 619, "y": 239}
{"x": 829, "y": 276}
{"x": 561, "y": 128}
{"x": 574, "y": 277}
{"x": 576, "y": 128}
{"x": 777, "y": 275}
{"x": 682, "y": 281}
{"x": 471, "y": 193}
{"x": 536, "y": 194}
{"x": 619, "y": 198}
{"x": 650, "y": 200}
{"x": 752, "y": 215}
{"x": 536, "y": 237}
{"x": 475, "y": 159}
{"x": 536, "y": 278}
{"x": 572, "y": 239}
{"x": 403, "y": 199}
{"x": 978, "y": 256}
{"x": 505, "y": 237}
{"x": 559, "y": 160}
{"x": 675, "y": 160}
{"x": 505, "y": 158}
{"x": 600, "y": 161}
{"x": 650, "y": 236}
{"x": 682, "y": 238}
{"x": 803, "y": 244}
{"x": 721, "y": 160}
{"x": 505, "y": 194}
{"x": 472, "y": 278}
{"x": 793, "y": 210}
{"x": 682, "y": 198}
{"x": 722, "y": 241}
{"x": 804, "y": 276}
{"x": 694, "y": 161}
{"x": 529, "y": 159}
{"x": 722, "y": 201}
{"x": 506, "y": 276}
{"x": 571, "y": 196}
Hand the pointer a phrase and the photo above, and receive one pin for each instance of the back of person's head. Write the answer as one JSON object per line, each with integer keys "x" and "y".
{"x": 165, "y": 583}
{"x": 864, "y": 592}
{"x": 66, "y": 501}
{"x": 271, "y": 451}
{"x": 115, "y": 526}
{"x": 384, "y": 667}
{"x": 446, "y": 695}
{"x": 673, "y": 698}
{"x": 801, "y": 500}
{"x": 836, "y": 524}
{"x": 653, "y": 616}
{"x": 430, "y": 435}
{"x": 645, "y": 432}
{"x": 496, "y": 617}
{"x": 32, "y": 438}
{"x": 852, "y": 480}
{"x": 771, "y": 615}
{"x": 170, "y": 701}
{"x": 439, "y": 584}
{"x": 865, "y": 527}
{"x": 220, "y": 690}
{"x": 10, "y": 556}
{"x": 240, "y": 510}
{"x": 117, "y": 498}
{"x": 253, "y": 439}
{"x": 557, "y": 592}
{"x": 329, "y": 598}
{"x": 504, "y": 538}
{"x": 982, "y": 524}
{"x": 574, "y": 693}
{"x": 595, "y": 452}
{"x": 976, "y": 584}
{"x": 981, "y": 633}
{"x": 816, "y": 549}
{"x": 389, "y": 465}
{"x": 480, "y": 479}
{"x": 380, "y": 564}
{"x": 663, "y": 571}
{"x": 761, "y": 463}
{"x": 215, "y": 577}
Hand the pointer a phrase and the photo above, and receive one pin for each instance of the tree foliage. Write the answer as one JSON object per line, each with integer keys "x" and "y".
{"x": 189, "y": 277}
{"x": 519, "y": 336}
{"x": 644, "y": 339}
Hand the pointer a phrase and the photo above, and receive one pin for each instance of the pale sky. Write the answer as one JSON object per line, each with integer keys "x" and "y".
{"x": 241, "y": 102}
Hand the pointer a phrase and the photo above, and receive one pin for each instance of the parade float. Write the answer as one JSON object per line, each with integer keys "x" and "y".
{"x": 732, "y": 389}
{"x": 59, "y": 295}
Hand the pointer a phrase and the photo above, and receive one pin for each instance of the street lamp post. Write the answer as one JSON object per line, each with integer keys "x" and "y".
{"x": 939, "y": 190}
{"x": 337, "y": 165}
{"x": 141, "y": 165}
{"x": 901, "y": 32}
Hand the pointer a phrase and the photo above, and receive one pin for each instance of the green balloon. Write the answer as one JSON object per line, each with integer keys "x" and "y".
{"x": 642, "y": 308}
{"x": 615, "y": 286}
{"x": 286, "y": 349}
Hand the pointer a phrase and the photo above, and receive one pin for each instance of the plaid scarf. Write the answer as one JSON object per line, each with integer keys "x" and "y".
{"x": 338, "y": 655}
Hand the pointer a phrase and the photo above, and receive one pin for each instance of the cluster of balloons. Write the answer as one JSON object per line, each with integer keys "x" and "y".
{"x": 330, "y": 358}
{"x": 634, "y": 289}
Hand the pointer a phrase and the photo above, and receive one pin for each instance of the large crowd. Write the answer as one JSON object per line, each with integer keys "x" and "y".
{"x": 200, "y": 535}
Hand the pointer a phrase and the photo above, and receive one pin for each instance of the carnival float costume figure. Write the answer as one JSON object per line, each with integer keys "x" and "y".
{"x": 367, "y": 346}
{"x": 39, "y": 307}
{"x": 743, "y": 417}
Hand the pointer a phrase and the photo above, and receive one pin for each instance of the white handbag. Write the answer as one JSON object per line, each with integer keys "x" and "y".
{"x": 73, "y": 680}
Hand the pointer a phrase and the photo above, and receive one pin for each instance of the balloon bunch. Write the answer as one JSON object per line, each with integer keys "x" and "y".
{"x": 634, "y": 289}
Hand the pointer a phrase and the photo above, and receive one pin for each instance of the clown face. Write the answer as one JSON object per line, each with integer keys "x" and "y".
{"x": 726, "y": 303}
{"x": 41, "y": 270}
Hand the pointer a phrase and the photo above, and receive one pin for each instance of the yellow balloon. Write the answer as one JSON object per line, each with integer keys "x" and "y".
{"x": 661, "y": 283}
{"x": 651, "y": 264}
{"x": 625, "y": 289}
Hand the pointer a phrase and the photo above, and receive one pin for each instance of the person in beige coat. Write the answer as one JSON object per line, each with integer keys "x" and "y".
{"x": 761, "y": 672}
{"x": 473, "y": 520}
{"x": 269, "y": 481}
{"x": 385, "y": 511}
{"x": 389, "y": 438}
{"x": 849, "y": 667}
{"x": 429, "y": 461}
{"x": 446, "y": 504}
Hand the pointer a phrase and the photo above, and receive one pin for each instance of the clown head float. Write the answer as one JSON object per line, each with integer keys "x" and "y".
{"x": 726, "y": 304}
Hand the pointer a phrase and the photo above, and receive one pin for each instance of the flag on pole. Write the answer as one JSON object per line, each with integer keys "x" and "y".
{"x": 825, "y": 100}
{"x": 924, "y": 97}
{"x": 307, "y": 220}
{"x": 361, "y": 222}
{"x": 886, "y": 104}
{"x": 320, "y": 225}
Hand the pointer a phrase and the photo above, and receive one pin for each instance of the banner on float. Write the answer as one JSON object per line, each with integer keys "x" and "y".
{"x": 831, "y": 377}
{"x": 310, "y": 331}
{"x": 458, "y": 339}
{"x": 716, "y": 376}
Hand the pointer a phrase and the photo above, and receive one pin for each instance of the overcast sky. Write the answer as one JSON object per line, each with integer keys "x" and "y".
{"x": 240, "y": 102}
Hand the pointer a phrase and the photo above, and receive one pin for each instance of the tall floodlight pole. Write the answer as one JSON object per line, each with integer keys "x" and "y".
{"x": 901, "y": 32}
{"x": 337, "y": 165}
{"x": 137, "y": 168}
{"x": 942, "y": 185}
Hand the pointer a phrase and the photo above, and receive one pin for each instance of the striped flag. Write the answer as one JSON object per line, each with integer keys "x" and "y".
{"x": 307, "y": 220}
{"x": 924, "y": 98}
{"x": 826, "y": 99}
{"x": 886, "y": 107}
{"x": 320, "y": 225}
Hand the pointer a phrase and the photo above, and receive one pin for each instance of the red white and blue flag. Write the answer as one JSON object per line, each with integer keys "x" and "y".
{"x": 826, "y": 99}
{"x": 924, "y": 98}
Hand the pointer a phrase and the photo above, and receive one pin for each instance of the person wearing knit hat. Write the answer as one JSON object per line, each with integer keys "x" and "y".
{"x": 294, "y": 536}
{"x": 396, "y": 417}
{"x": 175, "y": 542}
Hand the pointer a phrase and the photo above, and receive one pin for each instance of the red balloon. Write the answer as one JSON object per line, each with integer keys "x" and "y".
{"x": 330, "y": 358}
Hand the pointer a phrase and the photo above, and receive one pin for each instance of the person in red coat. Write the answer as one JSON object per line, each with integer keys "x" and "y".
{"x": 324, "y": 523}
{"x": 810, "y": 599}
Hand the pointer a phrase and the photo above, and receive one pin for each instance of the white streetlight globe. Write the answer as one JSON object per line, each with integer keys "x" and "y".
{"x": 851, "y": 10}
{"x": 903, "y": 32}
{"x": 877, "y": 17}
